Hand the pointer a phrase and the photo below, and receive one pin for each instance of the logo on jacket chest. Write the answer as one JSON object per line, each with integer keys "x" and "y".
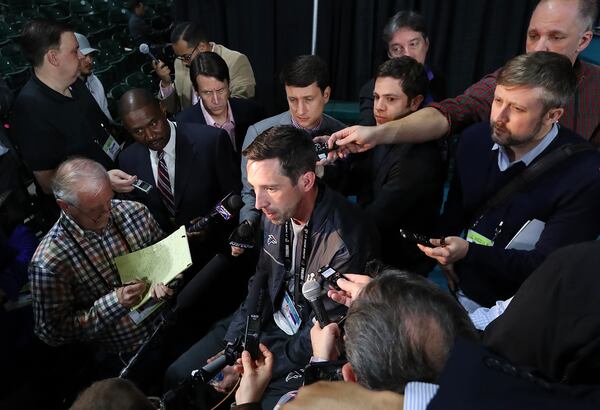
{"x": 271, "y": 240}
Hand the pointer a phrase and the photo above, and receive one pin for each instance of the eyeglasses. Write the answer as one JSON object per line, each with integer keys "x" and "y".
{"x": 398, "y": 50}
{"x": 100, "y": 214}
{"x": 187, "y": 57}
{"x": 209, "y": 93}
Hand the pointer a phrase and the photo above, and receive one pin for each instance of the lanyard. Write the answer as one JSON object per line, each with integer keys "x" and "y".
{"x": 87, "y": 258}
{"x": 299, "y": 274}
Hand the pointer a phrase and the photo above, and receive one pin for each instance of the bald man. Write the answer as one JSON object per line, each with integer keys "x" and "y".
{"x": 561, "y": 26}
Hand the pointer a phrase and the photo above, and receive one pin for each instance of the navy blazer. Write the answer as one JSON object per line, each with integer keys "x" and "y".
{"x": 245, "y": 113}
{"x": 205, "y": 171}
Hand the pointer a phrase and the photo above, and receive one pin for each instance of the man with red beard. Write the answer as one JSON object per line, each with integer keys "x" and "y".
{"x": 556, "y": 208}
{"x": 399, "y": 185}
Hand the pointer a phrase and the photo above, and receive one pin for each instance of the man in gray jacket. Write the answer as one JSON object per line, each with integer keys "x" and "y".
{"x": 306, "y": 80}
{"x": 306, "y": 226}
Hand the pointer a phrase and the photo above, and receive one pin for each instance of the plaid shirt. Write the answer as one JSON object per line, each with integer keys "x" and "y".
{"x": 72, "y": 300}
{"x": 582, "y": 113}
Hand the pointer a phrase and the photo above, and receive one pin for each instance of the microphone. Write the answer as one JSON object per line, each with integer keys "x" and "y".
{"x": 145, "y": 49}
{"x": 224, "y": 209}
{"x": 312, "y": 292}
{"x": 243, "y": 236}
{"x": 210, "y": 370}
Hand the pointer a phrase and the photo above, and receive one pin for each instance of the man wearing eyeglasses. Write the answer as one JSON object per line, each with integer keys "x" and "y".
{"x": 187, "y": 41}
{"x": 76, "y": 290}
{"x": 405, "y": 34}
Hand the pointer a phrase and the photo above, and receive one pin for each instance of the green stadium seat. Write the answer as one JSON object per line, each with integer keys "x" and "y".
{"x": 13, "y": 52}
{"x": 140, "y": 80}
{"x": 118, "y": 90}
{"x": 118, "y": 16}
{"x": 56, "y": 12}
{"x": 81, "y": 7}
{"x": 347, "y": 112}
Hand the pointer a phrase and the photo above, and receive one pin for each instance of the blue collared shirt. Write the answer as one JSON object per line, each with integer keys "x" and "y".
{"x": 417, "y": 395}
{"x": 504, "y": 162}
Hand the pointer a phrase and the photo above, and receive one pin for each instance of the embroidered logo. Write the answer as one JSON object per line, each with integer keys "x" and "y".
{"x": 271, "y": 240}
{"x": 294, "y": 374}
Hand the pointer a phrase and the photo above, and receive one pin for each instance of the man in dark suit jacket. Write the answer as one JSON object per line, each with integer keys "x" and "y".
{"x": 199, "y": 162}
{"x": 400, "y": 186}
{"x": 210, "y": 77}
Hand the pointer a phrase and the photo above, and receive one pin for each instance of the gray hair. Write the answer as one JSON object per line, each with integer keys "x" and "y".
{"x": 402, "y": 19}
{"x": 401, "y": 329}
{"x": 76, "y": 175}
{"x": 552, "y": 72}
{"x": 587, "y": 11}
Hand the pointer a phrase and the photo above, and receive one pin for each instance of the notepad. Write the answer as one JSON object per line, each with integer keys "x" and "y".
{"x": 528, "y": 236}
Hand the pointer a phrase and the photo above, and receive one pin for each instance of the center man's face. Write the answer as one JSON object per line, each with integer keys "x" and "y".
{"x": 148, "y": 126}
{"x": 184, "y": 52}
{"x": 214, "y": 94}
{"x": 307, "y": 104}
{"x": 517, "y": 116}
{"x": 276, "y": 196}
{"x": 390, "y": 103}
{"x": 407, "y": 42}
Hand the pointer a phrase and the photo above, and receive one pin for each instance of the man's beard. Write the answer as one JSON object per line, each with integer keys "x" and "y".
{"x": 508, "y": 140}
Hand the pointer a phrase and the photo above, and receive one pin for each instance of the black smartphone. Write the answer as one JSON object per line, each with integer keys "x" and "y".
{"x": 416, "y": 238}
{"x": 323, "y": 371}
{"x": 251, "y": 335}
{"x": 331, "y": 276}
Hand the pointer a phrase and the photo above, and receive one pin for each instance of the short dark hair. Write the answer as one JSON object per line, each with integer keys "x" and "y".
{"x": 209, "y": 64}
{"x": 550, "y": 71}
{"x": 291, "y": 146}
{"x": 411, "y": 74}
{"x": 401, "y": 329}
{"x": 402, "y": 19}
{"x": 39, "y": 36}
{"x": 304, "y": 70}
{"x": 189, "y": 32}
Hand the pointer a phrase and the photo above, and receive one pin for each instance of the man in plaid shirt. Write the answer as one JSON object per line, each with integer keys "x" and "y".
{"x": 561, "y": 26}
{"x": 77, "y": 293}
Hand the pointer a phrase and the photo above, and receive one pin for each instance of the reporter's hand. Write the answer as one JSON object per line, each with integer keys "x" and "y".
{"x": 350, "y": 288}
{"x": 453, "y": 249}
{"x": 231, "y": 374}
{"x": 255, "y": 377}
{"x": 131, "y": 295}
{"x": 121, "y": 181}
{"x": 163, "y": 72}
{"x": 357, "y": 138}
{"x": 236, "y": 251}
{"x": 200, "y": 234}
{"x": 325, "y": 341}
{"x": 160, "y": 291}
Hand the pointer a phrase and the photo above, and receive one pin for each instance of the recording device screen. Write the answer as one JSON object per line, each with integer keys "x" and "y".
{"x": 142, "y": 185}
{"x": 416, "y": 238}
{"x": 323, "y": 371}
{"x": 321, "y": 148}
{"x": 251, "y": 335}
{"x": 331, "y": 276}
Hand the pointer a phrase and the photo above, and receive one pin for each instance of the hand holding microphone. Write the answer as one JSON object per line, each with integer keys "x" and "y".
{"x": 162, "y": 70}
{"x": 242, "y": 238}
{"x": 313, "y": 293}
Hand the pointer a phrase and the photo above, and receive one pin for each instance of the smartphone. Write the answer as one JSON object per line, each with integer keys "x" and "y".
{"x": 321, "y": 148}
{"x": 142, "y": 185}
{"x": 251, "y": 335}
{"x": 416, "y": 238}
{"x": 331, "y": 276}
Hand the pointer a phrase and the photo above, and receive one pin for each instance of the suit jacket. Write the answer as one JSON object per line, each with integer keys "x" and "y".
{"x": 205, "y": 171}
{"x": 248, "y": 211}
{"x": 400, "y": 186}
{"x": 474, "y": 378}
{"x": 245, "y": 113}
{"x": 241, "y": 79}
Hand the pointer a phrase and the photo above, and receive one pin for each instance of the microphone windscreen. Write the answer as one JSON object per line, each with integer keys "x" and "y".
{"x": 144, "y": 49}
{"x": 311, "y": 290}
{"x": 202, "y": 280}
{"x": 234, "y": 203}
{"x": 245, "y": 230}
